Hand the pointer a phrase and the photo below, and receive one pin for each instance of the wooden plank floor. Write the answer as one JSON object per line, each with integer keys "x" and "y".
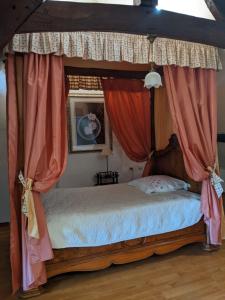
{"x": 187, "y": 274}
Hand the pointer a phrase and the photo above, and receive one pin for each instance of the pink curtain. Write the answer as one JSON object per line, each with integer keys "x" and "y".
{"x": 193, "y": 104}
{"x": 15, "y": 202}
{"x": 128, "y": 107}
{"x": 45, "y": 154}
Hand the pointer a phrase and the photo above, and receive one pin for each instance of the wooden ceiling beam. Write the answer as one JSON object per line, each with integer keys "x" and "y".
{"x": 105, "y": 73}
{"x": 149, "y": 3}
{"x": 214, "y": 9}
{"x": 220, "y": 4}
{"x": 12, "y": 14}
{"x": 71, "y": 16}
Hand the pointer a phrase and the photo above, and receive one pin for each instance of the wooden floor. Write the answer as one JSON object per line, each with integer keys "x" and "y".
{"x": 188, "y": 273}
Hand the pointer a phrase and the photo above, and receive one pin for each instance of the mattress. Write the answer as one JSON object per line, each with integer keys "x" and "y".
{"x": 102, "y": 215}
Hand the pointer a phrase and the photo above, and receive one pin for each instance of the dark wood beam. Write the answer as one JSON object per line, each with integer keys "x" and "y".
{"x": 152, "y": 118}
{"x": 70, "y": 16}
{"x": 221, "y": 137}
{"x": 12, "y": 14}
{"x": 214, "y": 9}
{"x": 149, "y": 3}
{"x": 217, "y": 7}
{"x": 105, "y": 73}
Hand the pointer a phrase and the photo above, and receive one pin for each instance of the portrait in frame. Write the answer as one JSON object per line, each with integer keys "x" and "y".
{"x": 88, "y": 122}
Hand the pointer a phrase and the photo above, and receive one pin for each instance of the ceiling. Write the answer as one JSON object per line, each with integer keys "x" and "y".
{"x": 37, "y": 16}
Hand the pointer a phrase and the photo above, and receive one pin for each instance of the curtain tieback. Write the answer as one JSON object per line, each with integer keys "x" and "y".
{"x": 28, "y": 206}
{"x": 215, "y": 180}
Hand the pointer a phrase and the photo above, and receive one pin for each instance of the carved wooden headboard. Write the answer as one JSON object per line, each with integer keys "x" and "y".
{"x": 169, "y": 161}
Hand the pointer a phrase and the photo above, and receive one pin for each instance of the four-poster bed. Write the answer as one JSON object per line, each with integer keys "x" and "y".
{"x": 170, "y": 161}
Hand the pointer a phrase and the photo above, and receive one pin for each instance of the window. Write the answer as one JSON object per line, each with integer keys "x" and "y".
{"x": 197, "y": 8}
{"x": 2, "y": 79}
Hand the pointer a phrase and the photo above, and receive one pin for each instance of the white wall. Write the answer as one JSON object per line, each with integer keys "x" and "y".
{"x": 82, "y": 167}
{"x": 221, "y": 94}
{"x": 4, "y": 195}
{"x": 197, "y": 8}
{"x": 221, "y": 113}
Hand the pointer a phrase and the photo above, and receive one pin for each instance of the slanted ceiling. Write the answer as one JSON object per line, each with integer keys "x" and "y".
{"x": 37, "y": 16}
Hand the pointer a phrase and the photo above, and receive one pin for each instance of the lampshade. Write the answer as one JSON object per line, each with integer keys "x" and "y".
{"x": 153, "y": 79}
{"x": 106, "y": 151}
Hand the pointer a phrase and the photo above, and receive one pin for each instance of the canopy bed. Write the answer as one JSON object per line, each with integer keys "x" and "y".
{"x": 37, "y": 139}
{"x": 68, "y": 258}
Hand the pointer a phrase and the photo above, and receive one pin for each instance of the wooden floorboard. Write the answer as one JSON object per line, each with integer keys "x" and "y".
{"x": 186, "y": 274}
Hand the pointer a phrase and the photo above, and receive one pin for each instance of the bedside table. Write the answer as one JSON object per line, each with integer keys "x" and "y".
{"x": 109, "y": 177}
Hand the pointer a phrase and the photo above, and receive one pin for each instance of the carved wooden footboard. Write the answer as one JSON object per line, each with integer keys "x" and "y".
{"x": 96, "y": 258}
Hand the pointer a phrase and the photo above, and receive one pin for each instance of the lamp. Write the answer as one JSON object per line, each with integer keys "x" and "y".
{"x": 152, "y": 79}
{"x": 106, "y": 151}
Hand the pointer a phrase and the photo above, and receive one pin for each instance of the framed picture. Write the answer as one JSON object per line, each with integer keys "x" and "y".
{"x": 88, "y": 126}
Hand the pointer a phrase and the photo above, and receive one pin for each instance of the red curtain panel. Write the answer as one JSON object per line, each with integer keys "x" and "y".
{"x": 45, "y": 157}
{"x": 193, "y": 104}
{"x": 128, "y": 107}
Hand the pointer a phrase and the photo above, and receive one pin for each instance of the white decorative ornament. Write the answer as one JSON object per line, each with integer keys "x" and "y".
{"x": 216, "y": 181}
{"x": 153, "y": 79}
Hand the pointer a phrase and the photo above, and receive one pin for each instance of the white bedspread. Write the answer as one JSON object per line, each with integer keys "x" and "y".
{"x": 94, "y": 216}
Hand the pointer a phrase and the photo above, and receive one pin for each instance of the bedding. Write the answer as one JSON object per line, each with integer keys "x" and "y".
{"x": 101, "y": 215}
{"x": 159, "y": 184}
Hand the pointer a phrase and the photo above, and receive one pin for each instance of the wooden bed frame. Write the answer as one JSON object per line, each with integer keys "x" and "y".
{"x": 168, "y": 162}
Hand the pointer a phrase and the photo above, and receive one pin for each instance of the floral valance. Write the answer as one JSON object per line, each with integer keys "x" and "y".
{"x": 118, "y": 47}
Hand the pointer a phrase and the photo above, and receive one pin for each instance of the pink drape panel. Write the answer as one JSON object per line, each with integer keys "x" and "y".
{"x": 193, "y": 104}
{"x": 15, "y": 202}
{"x": 128, "y": 107}
{"x": 45, "y": 152}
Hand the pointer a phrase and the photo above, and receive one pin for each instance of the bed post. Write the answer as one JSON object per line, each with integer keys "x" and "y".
{"x": 207, "y": 246}
{"x": 30, "y": 293}
{"x": 152, "y": 118}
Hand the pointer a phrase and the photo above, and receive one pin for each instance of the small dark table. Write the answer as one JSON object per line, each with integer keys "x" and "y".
{"x": 109, "y": 177}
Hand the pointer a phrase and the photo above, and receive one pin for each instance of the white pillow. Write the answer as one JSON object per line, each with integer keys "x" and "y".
{"x": 158, "y": 184}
